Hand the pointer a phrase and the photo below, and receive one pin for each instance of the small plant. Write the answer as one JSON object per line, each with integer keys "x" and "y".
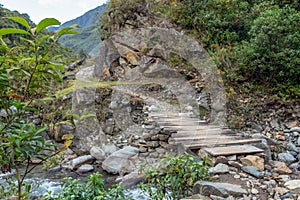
{"x": 92, "y": 189}
{"x": 176, "y": 180}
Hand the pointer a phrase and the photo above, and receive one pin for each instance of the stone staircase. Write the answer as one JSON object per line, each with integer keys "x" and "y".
{"x": 197, "y": 134}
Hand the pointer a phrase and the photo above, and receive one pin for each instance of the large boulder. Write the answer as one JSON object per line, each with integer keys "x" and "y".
{"x": 121, "y": 161}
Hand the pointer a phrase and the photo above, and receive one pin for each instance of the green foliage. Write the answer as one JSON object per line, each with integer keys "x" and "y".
{"x": 273, "y": 52}
{"x": 27, "y": 72}
{"x": 53, "y": 161}
{"x": 92, "y": 189}
{"x": 181, "y": 172}
{"x": 251, "y": 41}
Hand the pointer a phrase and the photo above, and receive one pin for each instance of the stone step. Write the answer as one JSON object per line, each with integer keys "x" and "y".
{"x": 230, "y": 150}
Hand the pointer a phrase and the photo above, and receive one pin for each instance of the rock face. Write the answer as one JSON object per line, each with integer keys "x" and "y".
{"x": 121, "y": 161}
{"x": 219, "y": 189}
{"x": 141, "y": 56}
{"x": 88, "y": 130}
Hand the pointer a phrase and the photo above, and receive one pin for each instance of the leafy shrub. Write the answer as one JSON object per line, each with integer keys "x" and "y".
{"x": 27, "y": 72}
{"x": 93, "y": 189}
{"x": 272, "y": 54}
{"x": 181, "y": 172}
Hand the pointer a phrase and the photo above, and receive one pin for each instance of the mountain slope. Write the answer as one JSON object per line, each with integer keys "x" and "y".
{"x": 88, "y": 37}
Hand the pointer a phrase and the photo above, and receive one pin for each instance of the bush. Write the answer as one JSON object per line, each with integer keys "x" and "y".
{"x": 26, "y": 74}
{"x": 177, "y": 179}
{"x": 272, "y": 55}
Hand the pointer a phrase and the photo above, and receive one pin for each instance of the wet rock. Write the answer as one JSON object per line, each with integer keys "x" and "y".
{"x": 293, "y": 186}
{"x": 97, "y": 153}
{"x": 253, "y": 161}
{"x": 219, "y": 169}
{"x": 85, "y": 168}
{"x": 219, "y": 189}
{"x": 254, "y": 171}
{"x": 81, "y": 160}
{"x": 281, "y": 168}
{"x": 286, "y": 157}
{"x": 121, "y": 161}
{"x": 75, "y": 163}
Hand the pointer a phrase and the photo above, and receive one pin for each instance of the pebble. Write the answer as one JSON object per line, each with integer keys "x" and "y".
{"x": 254, "y": 191}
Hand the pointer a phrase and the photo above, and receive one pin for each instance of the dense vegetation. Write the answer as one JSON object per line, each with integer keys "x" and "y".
{"x": 253, "y": 42}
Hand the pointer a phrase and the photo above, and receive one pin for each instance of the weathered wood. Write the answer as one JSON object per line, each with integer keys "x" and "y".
{"x": 230, "y": 150}
{"x": 208, "y": 143}
{"x": 216, "y": 132}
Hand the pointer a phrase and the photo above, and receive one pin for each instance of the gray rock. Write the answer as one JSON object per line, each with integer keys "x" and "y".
{"x": 254, "y": 171}
{"x": 219, "y": 169}
{"x": 109, "y": 148}
{"x": 97, "y": 153}
{"x": 214, "y": 197}
{"x": 295, "y": 129}
{"x": 286, "y": 157}
{"x": 274, "y": 124}
{"x": 219, "y": 189}
{"x": 298, "y": 141}
{"x": 293, "y": 186}
{"x": 81, "y": 160}
{"x": 235, "y": 164}
{"x": 295, "y": 166}
{"x": 292, "y": 147}
{"x": 85, "y": 168}
{"x": 132, "y": 179}
{"x": 121, "y": 161}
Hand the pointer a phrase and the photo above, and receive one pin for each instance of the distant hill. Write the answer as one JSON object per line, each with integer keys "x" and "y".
{"x": 88, "y": 37}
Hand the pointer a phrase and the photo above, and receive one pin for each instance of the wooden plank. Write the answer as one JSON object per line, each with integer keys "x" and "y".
{"x": 218, "y": 143}
{"x": 230, "y": 150}
{"x": 216, "y": 132}
{"x": 191, "y": 128}
{"x": 180, "y": 124}
{"x": 204, "y": 137}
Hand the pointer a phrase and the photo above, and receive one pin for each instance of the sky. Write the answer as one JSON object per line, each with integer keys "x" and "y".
{"x": 62, "y": 10}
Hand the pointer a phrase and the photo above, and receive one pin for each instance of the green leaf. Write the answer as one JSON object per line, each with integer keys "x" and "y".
{"x": 45, "y": 23}
{"x": 21, "y": 21}
{"x": 67, "y": 30}
{"x": 6, "y": 31}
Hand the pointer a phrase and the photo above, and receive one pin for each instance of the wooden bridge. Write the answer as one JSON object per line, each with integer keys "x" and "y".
{"x": 196, "y": 134}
